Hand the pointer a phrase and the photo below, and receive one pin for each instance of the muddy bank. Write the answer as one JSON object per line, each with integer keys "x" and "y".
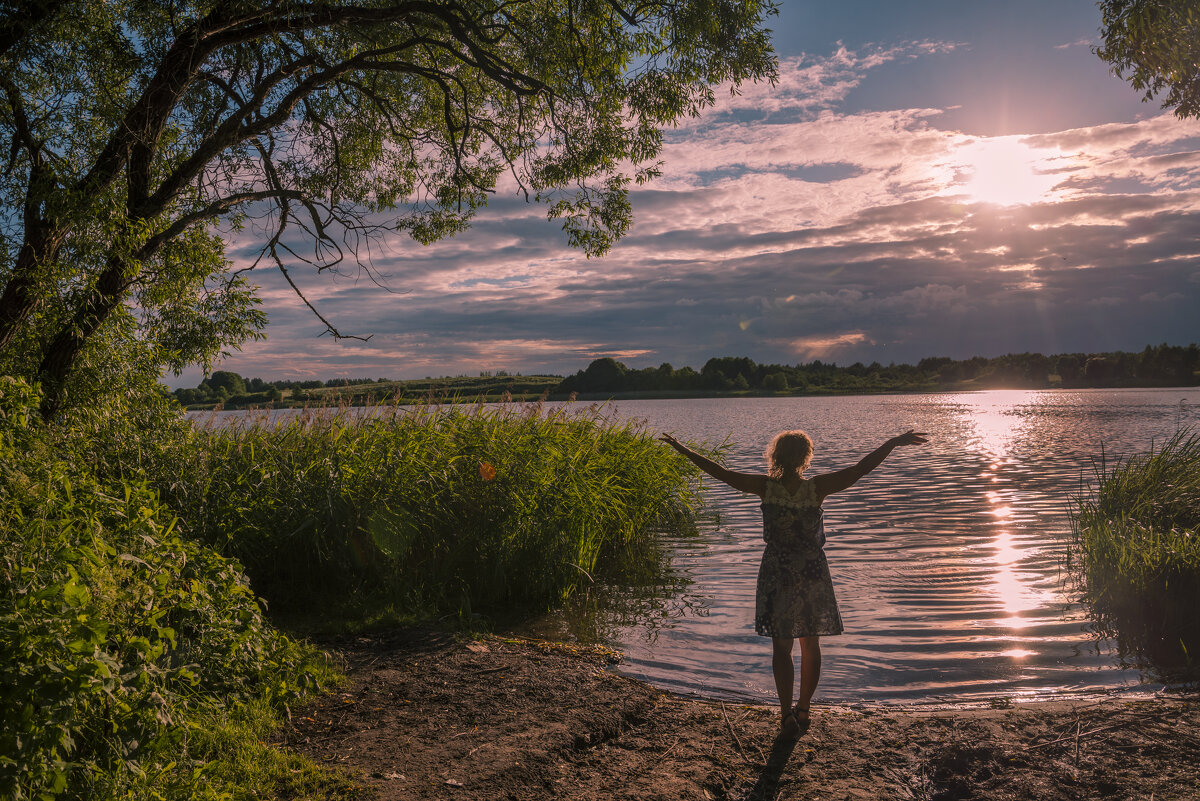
{"x": 426, "y": 716}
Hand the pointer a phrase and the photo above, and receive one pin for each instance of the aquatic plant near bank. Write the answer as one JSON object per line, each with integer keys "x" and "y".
{"x": 1138, "y": 540}
{"x": 431, "y": 510}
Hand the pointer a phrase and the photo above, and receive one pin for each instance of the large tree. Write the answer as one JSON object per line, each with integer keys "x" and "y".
{"x": 141, "y": 132}
{"x": 1155, "y": 46}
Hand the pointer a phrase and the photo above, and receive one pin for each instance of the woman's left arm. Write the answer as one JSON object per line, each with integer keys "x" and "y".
{"x": 843, "y": 479}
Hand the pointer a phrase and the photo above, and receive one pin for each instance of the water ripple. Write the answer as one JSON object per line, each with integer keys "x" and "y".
{"x": 947, "y": 561}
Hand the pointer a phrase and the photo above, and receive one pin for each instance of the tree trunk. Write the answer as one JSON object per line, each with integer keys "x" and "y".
{"x": 20, "y": 297}
{"x": 62, "y": 353}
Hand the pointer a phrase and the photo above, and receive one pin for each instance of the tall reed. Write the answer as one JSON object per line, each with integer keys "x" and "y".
{"x": 1138, "y": 540}
{"x": 430, "y": 509}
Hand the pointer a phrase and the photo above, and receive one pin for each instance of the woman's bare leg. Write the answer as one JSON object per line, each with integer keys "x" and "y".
{"x": 784, "y": 672}
{"x": 810, "y": 672}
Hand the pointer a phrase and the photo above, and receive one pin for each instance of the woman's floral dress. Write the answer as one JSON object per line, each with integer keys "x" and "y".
{"x": 795, "y": 593}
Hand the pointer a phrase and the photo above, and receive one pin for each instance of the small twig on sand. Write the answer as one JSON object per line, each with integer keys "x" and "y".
{"x": 669, "y": 750}
{"x": 1076, "y": 737}
{"x": 491, "y": 670}
{"x": 736, "y": 741}
{"x": 742, "y": 717}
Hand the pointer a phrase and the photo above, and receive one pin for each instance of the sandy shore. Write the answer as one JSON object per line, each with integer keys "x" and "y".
{"x": 427, "y": 716}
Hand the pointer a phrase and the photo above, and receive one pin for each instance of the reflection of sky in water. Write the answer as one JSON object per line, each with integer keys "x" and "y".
{"x": 947, "y": 560}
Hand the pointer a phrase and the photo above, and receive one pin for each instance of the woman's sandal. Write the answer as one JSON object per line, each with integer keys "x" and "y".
{"x": 802, "y": 717}
{"x": 790, "y": 727}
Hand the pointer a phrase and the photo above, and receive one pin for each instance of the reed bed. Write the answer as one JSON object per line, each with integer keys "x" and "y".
{"x": 1138, "y": 539}
{"x": 430, "y": 510}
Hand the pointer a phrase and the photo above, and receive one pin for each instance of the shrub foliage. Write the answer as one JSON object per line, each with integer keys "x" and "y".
{"x": 119, "y": 634}
{"x": 138, "y": 659}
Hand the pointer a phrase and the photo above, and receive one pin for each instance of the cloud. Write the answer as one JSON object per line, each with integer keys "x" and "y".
{"x": 816, "y": 347}
{"x": 811, "y": 83}
{"x": 784, "y": 229}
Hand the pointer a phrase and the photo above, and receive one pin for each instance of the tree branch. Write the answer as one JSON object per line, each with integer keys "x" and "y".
{"x": 221, "y": 28}
{"x": 211, "y": 211}
{"x": 229, "y": 133}
{"x": 22, "y": 131}
{"x": 271, "y": 249}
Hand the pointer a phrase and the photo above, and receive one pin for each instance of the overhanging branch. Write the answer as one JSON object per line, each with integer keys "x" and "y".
{"x": 272, "y": 250}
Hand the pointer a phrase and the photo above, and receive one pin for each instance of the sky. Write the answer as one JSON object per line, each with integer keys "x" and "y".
{"x": 926, "y": 178}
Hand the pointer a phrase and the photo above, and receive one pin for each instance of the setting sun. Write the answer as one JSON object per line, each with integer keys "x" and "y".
{"x": 1005, "y": 172}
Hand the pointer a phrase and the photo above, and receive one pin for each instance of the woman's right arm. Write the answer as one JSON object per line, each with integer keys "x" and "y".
{"x": 830, "y": 483}
{"x": 744, "y": 482}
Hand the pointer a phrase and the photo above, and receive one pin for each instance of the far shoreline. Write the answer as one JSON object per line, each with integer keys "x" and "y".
{"x": 726, "y": 376}
{"x": 436, "y": 399}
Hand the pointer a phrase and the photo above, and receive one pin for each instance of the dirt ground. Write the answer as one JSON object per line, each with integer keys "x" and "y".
{"x": 429, "y": 716}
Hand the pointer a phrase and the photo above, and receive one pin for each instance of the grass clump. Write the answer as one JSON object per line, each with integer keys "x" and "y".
{"x": 425, "y": 511}
{"x": 1138, "y": 538}
{"x": 124, "y": 641}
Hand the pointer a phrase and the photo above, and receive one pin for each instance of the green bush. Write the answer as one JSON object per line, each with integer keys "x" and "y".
{"x": 137, "y": 659}
{"x": 120, "y": 636}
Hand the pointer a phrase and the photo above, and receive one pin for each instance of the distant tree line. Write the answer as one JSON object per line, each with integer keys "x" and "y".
{"x": 1156, "y": 365}
{"x": 1161, "y": 365}
{"x": 232, "y": 390}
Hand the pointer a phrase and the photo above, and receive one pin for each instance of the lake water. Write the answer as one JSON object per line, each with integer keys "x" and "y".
{"x": 948, "y": 560}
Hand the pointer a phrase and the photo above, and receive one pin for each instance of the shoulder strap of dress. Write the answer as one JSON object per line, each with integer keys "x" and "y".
{"x": 773, "y": 487}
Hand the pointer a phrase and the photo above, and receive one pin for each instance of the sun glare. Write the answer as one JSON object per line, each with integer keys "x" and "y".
{"x": 1004, "y": 172}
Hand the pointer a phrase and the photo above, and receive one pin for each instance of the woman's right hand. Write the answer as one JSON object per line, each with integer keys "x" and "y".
{"x": 910, "y": 437}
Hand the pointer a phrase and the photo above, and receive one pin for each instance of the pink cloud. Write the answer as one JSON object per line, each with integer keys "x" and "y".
{"x": 822, "y": 346}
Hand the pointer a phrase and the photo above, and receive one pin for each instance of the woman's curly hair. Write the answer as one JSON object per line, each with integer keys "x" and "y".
{"x": 789, "y": 450}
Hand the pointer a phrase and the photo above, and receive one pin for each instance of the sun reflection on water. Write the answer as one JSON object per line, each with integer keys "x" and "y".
{"x": 1015, "y": 596}
{"x": 1018, "y": 653}
{"x": 995, "y": 419}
